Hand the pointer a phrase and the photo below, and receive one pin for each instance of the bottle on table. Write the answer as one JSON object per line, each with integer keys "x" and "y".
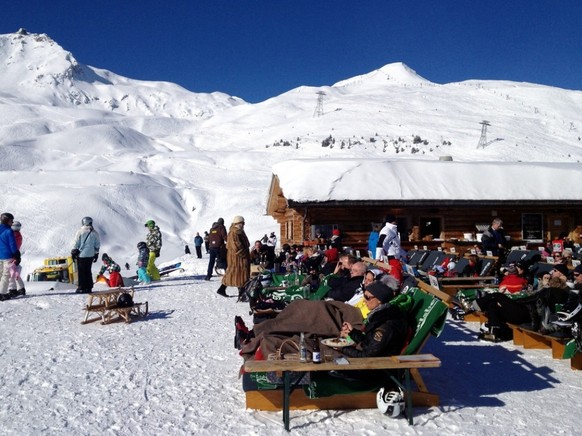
{"x": 316, "y": 356}
{"x": 302, "y": 348}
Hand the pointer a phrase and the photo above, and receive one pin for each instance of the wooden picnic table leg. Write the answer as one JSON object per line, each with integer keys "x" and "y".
{"x": 286, "y": 393}
{"x": 408, "y": 395}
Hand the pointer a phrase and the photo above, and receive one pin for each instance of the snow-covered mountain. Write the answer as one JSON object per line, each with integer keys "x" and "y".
{"x": 77, "y": 140}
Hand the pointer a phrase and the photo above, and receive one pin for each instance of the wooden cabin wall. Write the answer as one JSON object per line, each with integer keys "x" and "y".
{"x": 456, "y": 220}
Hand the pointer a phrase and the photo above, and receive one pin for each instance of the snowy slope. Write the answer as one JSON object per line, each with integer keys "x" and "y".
{"x": 77, "y": 140}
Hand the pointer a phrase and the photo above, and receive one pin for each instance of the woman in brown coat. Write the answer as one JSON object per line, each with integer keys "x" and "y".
{"x": 238, "y": 257}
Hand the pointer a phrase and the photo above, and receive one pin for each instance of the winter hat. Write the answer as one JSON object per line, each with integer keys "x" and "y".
{"x": 380, "y": 291}
{"x": 16, "y": 226}
{"x": 563, "y": 269}
{"x": 390, "y": 218}
{"x": 238, "y": 219}
{"x": 335, "y": 232}
{"x": 6, "y": 217}
{"x": 105, "y": 258}
{"x": 150, "y": 223}
{"x": 578, "y": 269}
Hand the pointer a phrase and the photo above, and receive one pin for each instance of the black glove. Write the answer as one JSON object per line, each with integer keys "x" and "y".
{"x": 75, "y": 253}
{"x": 96, "y": 257}
{"x": 17, "y": 257}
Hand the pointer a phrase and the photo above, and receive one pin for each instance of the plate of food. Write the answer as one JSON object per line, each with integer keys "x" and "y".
{"x": 337, "y": 342}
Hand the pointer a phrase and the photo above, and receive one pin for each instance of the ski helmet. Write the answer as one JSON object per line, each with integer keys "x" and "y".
{"x": 390, "y": 403}
{"x": 150, "y": 223}
{"x": 6, "y": 217}
{"x": 125, "y": 300}
{"x": 16, "y": 226}
{"x": 87, "y": 221}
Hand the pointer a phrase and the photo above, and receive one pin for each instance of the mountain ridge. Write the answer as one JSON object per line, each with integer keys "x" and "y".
{"x": 68, "y": 145}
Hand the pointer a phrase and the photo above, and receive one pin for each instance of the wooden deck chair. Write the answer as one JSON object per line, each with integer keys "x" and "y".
{"x": 416, "y": 257}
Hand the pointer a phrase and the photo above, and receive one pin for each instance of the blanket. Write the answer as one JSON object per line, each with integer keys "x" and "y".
{"x": 321, "y": 318}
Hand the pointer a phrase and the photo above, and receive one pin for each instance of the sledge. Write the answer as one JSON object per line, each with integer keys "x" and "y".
{"x": 103, "y": 304}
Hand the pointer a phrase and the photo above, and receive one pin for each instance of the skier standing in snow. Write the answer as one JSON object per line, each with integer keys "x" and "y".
{"x": 85, "y": 252}
{"x": 207, "y": 242}
{"x": 217, "y": 240}
{"x": 142, "y": 262}
{"x": 8, "y": 252}
{"x": 198, "y": 241}
{"x": 154, "y": 244}
{"x": 16, "y": 285}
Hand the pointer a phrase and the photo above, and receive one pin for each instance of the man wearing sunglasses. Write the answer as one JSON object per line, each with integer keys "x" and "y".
{"x": 385, "y": 327}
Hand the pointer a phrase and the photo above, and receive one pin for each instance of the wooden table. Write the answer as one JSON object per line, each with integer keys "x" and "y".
{"x": 363, "y": 363}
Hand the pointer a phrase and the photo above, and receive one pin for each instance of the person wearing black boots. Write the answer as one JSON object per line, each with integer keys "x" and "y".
{"x": 238, "y": 269}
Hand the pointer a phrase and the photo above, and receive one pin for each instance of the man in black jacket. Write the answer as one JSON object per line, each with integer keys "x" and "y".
{"x": 344, "y": 287}
{"x": 386, "y": 325}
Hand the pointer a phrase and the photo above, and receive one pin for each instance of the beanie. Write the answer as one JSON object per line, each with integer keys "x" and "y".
{"x": 561, "y": 268}
{"x": 380, "y": 291}
{"x": 238, "y": 219}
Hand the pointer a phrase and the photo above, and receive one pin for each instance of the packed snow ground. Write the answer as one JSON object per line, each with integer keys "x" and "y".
{"x": 175, "y": 372}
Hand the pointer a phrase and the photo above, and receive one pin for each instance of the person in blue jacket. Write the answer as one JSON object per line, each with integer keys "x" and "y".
{"x": 373, "y": 241}
{"x": 8, "y": 253}
{"x": 198, "y": 241}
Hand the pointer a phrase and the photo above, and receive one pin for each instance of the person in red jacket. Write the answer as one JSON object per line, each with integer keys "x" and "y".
{"x": 515, "y": 280}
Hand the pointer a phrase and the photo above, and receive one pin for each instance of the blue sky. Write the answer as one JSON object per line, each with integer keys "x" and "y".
{"x": 259, "y": 49}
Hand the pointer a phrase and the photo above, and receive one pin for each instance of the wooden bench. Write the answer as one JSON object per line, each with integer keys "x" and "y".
{"x": 406, "y": 363}
{"x": 104, "y": 305}
{"x": 530, "y": 339}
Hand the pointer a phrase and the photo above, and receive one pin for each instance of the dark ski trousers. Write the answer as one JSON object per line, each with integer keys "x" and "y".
{"x": 84, "y": 270}
{"x": 199, "y": 251}
{"x": 214, "y": 252}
